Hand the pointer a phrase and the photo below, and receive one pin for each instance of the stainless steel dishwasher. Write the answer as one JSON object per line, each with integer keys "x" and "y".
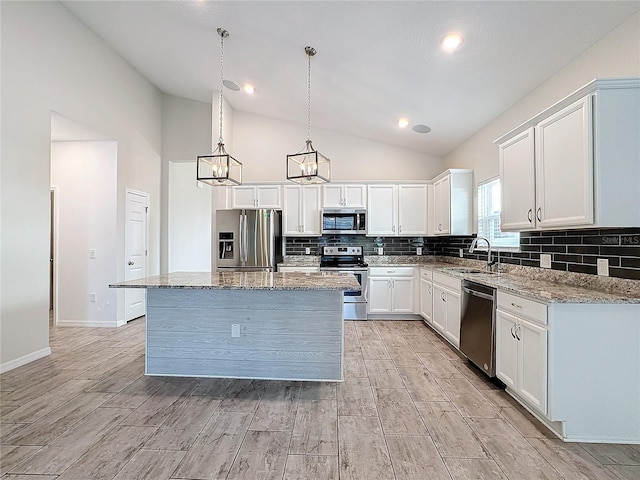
{"x": 478, "y": 325}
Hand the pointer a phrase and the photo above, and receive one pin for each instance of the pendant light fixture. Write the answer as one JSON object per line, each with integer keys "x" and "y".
{"x": 219, "y": 168}
{"x": 308, "y": 165}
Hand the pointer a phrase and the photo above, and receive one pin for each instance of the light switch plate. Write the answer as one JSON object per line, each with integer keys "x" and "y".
{"x": 545, "y": 260}
{"x": 380, "y": 250}
{"x": 307, "y": 251}
{"x": 418, "y": 250}
{"x": 461, "y": 252}
{"x": 603, "y": 267}
{"x": 93, "y": 297}
{"x": 92, "y": 253}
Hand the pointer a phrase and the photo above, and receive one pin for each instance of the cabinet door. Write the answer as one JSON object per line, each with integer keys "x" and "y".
{"x": 439, "y": 316}
{"x": 355, "y": 196}
{"x": 332, "y": 196}
{"x": 381, "y": 210}
{"x": 311, "y": 210}
{"x": 412, "y": 210}
{"x": 291, "y": 223}
{"x": 517, "y": 180}
{"x": 268, "y": 196}
{"x": 532, "y": 364}
{"x": 380, "y": 295}
{"x": 402, "y": 294}
{"x": 442, "y": 207}
{"x": 564, "y": 167}
{"x": 506, "y": 349}
{"x": 426, "y": 299}
{"x": 452, "y": 325}
{"x": 243, "y": 197}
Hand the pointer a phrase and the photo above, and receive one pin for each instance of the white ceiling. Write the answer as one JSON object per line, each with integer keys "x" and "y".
{"x": 377, "y": 60}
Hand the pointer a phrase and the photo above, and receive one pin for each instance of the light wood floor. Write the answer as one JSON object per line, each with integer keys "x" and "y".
{"x": 409, "y": 408}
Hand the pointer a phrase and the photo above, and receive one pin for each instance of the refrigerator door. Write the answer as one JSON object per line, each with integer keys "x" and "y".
{"x": 228, "y": 236}
{"x": 260, "y": 239}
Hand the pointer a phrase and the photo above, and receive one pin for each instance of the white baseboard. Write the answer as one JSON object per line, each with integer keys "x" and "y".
{"x": 30, "y": 357}
{"x": 80, "y": 323}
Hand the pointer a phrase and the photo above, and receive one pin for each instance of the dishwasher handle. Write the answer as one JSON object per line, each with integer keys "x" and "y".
{"x": 475, "y": 293}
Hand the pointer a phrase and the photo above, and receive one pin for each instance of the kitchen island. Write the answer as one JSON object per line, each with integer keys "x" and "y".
{"x": 258, "y": 325}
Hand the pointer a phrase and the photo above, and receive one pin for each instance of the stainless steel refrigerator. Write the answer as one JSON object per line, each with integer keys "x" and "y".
{"x": 249, "y": 240}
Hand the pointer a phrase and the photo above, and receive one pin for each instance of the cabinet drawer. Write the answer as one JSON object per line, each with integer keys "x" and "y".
{"x": 523, "y": 307}
{"x": 426, "y": 273}
{"x": 447, "y": 281}
{"x": 391, "y": 271}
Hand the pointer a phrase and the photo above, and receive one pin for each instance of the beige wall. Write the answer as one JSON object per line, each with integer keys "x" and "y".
{"x": 616, "y": 55}
{"x": 52, "y": 62}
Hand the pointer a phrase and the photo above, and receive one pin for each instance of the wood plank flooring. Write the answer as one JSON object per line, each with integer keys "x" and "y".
{"x": 410, "y": 408}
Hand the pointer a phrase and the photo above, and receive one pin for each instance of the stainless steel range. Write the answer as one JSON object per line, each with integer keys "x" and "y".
{"x": 351, "y": 260}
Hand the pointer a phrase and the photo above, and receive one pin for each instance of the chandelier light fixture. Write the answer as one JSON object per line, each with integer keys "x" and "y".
{"x": 219, "y": 168}
{"x": 308, "y": 165}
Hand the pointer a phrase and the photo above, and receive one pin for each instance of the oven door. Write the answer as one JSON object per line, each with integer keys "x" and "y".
{"x": 355, "y": 297}
{"x": 355, "y": 304}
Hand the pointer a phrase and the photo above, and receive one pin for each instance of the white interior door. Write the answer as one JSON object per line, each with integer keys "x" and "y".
{"x": 136, "y": 210}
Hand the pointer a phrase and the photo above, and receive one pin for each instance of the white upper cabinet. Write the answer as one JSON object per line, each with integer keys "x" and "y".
{"x": 576, "y": 164}
{"x": 347, "y": 196}
{"x": 256, "y": 196}
{"x": 301, "y": 212}
{"x": 397, "y": 210}
{"x": 453, "y": 203}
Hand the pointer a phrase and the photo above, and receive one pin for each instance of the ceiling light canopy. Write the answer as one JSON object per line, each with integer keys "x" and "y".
{"x": 308, "y": 165}
{"x": 231, "y": 85}
{"x": 421, "y": 128}
{"x": 219, "y": 168}
{"x": 451, "y": 42}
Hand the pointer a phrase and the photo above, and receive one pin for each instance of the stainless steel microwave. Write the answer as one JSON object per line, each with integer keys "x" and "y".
{"x": 344, "y": 221}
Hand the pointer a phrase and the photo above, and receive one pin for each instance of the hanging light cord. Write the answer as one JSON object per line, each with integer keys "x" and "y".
{"x": 222, "y": 33}
{"x": 309, "y": 99}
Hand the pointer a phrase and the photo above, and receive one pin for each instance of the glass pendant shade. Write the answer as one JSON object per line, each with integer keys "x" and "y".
{"x": 308, "y": 166}
{"x": 219, "y": 168}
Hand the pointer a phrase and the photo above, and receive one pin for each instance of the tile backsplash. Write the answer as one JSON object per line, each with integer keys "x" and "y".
{"x": 570, "y": 250}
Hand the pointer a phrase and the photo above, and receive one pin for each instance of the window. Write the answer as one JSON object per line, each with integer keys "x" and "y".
{"x": 489, "y": 204}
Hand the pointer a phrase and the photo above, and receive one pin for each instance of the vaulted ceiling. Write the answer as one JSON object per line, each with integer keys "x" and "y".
{"x": 377, "y": 61}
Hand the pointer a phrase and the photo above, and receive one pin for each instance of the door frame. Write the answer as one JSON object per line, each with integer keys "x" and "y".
{"x": 54, "y": 191}
{"x": 147, "y": 196}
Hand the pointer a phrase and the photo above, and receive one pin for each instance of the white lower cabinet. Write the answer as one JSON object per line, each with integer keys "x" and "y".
{"x": 446, "y": 307}
{"x": 426, "y": 295}
{"x": 391, "y": 290}
{"x": 521, "y": 349}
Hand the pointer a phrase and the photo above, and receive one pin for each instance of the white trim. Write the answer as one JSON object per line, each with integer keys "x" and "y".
{"x": 55, "y": 189}
{"x": 81, "y": 323}
{"x": 23, "y": 360}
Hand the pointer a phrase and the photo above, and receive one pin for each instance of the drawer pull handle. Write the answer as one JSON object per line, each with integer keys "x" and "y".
{"x": 512, "y": 327}
{"x": 517, "y": 332}
{"x": 516, "y": 305}
{"x": 529, "y": 213}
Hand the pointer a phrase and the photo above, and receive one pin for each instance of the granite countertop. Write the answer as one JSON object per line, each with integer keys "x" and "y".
{"x": 247, "y": 281}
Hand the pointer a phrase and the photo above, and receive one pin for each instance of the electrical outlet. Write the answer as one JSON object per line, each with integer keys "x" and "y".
{"x": 93, "y": 297}
{"x": 92, "y": 253}
{"x": 418, "y": 250}
{"x": 461, "y": 252}
{"x": 545, "y": 260}
{"x": 603, "y": 267}
{"x": 380, "y": 251}
{"x": 235, "y": 330}
{"x": 307, "y": 251}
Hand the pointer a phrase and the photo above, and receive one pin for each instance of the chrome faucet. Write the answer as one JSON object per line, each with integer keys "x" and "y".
{"x": 474, "y": 245}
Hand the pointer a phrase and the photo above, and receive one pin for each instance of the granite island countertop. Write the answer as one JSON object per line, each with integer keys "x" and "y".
{"x": 247, "y": 281}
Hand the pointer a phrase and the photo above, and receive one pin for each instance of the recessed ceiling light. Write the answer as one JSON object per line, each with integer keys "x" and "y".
{"x": 248, "y": 88}
{"x": 231, "y": 85}
{"x": 451, "y": 41}
{"x": 421, "y": 129}
{"x": 403, "y": 123}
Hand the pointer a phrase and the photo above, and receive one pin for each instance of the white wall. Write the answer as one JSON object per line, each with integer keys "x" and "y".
{"x": 189, "y": 220}
{"x": 85, "y": 176}
{"x": 616, "y": 55}
{"x": 52, "y": 62}
{"x": 262, "y": 144}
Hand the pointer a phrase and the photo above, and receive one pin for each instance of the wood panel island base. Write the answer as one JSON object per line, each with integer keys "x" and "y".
{"x": 258, "y": 325}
